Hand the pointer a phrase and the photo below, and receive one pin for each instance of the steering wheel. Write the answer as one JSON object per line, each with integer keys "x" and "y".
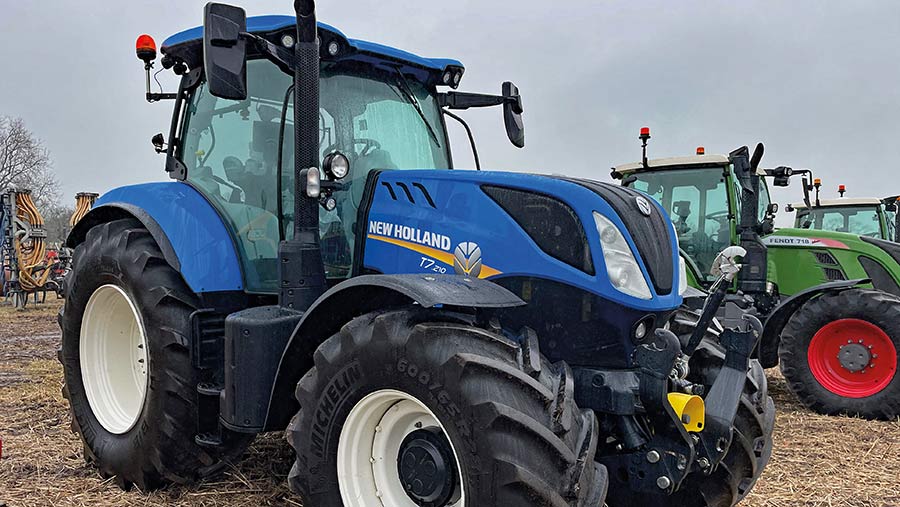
{"x": 370, "y": 145}
{"x": 718, "y": 215}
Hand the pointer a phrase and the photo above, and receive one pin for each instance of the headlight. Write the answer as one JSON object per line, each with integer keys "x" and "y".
{"x": 682, "y": 276}
{"x": 621, "y": 266}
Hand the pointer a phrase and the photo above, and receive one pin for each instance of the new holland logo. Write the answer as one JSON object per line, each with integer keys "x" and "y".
{"x": 467, "y": 259}
{"x": 643, "y": 205}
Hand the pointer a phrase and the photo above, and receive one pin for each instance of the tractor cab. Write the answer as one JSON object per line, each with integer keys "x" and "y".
{"x": 871, "y": 217}
{"x": 379, "y": 109}
{"x": 702, "y": 194}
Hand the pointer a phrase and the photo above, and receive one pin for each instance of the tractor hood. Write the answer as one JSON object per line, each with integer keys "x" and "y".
{"x": 798, "y": 256}
{"x": 499, "y": 225}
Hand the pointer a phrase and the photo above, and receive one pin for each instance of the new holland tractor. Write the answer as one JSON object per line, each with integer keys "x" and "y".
{"x": 423, "y": 336}
{"x": 862, "y": 216}
{"x": 830, "y": 300}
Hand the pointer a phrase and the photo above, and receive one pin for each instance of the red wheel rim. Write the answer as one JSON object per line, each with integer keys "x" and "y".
{"x": 826, "y": 367}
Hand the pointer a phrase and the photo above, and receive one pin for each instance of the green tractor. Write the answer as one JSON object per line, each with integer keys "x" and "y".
{"x": 829, "y": 300}
{"x": 866, "y": 216}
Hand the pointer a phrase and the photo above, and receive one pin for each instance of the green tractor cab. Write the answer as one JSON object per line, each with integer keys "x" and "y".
{"x": 866, "y": 216}
{"x": 829, "y": 300}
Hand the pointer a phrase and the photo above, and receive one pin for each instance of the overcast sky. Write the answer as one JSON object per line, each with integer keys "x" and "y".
{"x": 816, "y": 81}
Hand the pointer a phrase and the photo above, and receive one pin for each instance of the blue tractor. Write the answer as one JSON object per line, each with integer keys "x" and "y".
{"x": 425, "y": 337}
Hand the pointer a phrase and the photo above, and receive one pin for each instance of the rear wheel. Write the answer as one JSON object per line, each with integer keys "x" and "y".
{"x": 125, "y": 354}
{"x": 839, "y": 354}
{"x": 412, "y": 408}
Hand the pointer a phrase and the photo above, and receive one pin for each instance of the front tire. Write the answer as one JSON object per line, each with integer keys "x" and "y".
{"x": 125, "y": 354}
{"x": 466, "y": 416}
{"x": 839, "y": 354}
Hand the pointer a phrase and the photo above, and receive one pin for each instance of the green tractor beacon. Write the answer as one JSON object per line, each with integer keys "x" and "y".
{"x": 862, "y": 216}
{"x": 425, "y": 337}
{"x": 830, "y": 301}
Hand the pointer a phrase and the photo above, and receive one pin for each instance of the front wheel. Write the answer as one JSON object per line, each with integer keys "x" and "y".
{"x": 839, "y": 354}
{"x": 412, "y": 408}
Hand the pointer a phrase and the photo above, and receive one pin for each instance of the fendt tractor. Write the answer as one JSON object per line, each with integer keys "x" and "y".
{"x": 830, "y": 300}
{"x": 862, "y": 216}
{"x": 425, "y": 337}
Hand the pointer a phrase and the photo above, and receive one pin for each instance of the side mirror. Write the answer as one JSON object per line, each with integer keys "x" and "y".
{"x": 772, "y": 208}
{"x": 159, "y": 142}
{"x": 892, "y": 207}
{"x": 512, "y": 115}
{"x": 225, "y": 51}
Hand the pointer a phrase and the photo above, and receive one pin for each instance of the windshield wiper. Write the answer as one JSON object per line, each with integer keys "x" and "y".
{"x": 404, "y": 91}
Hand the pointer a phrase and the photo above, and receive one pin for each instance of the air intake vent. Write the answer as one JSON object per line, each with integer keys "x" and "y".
{"x": 825, "y": 258}
{"x": 833, "y": 275}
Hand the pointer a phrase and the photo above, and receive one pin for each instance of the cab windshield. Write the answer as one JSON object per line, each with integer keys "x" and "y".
{"x": 697, "y": 202}
{"x": 377, "y": 118}
{"x": 860, "y": 220}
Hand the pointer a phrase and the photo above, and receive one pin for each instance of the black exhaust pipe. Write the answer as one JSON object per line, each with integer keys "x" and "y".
{"x": 301, "y": 269}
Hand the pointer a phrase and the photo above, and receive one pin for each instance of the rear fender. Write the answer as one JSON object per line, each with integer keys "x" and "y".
{"x": 358, "y": 296}
{"x": 192, "y": 236}
{"x": 768, "y": 347}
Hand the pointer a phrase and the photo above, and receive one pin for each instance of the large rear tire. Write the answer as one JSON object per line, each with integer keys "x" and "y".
{"x": 125, "y": 354}
{"x": 839, "y": 354}
{"x": 466, "y": 417}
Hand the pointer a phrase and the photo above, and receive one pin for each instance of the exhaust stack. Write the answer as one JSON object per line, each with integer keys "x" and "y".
{"x": 301, "y": 269}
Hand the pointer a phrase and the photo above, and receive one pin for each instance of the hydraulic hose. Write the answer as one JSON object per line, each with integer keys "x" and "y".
{"x": 31, "y": 250}
{"x": 84, "y": 201}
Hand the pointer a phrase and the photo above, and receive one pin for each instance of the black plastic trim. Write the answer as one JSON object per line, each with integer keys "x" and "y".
{"x": 568, "y": 244}
{"x": 892, "y": 249}
{"x": 881, "y": 279}
{"x": 362, "y": 220}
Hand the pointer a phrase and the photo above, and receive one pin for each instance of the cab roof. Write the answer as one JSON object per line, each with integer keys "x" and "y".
{"x": 187, "y": 45}
{"x": 844, "y": 201}
{"x": 691, "y": 162}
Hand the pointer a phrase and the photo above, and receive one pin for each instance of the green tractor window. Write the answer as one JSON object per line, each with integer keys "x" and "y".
{"x": 860, "y": 220}
{"x": 697, "y": 201}
{"x": 231, "y": 152}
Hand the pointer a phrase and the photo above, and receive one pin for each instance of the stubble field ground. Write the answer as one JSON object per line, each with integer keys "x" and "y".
{"x": 818, "y": 460}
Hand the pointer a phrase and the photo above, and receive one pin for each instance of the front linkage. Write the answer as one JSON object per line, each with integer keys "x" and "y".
{"x": 678, "y": 441}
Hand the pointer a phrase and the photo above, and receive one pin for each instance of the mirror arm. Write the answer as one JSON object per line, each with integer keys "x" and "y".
{"x": 280, "y": 56}
{"x": 463, "y": 100}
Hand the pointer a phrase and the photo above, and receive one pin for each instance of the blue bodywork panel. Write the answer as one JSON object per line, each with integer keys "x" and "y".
{"x": 363, "y": 50}
{"x": 405, "y": 237}
{"x": 204, "y": 247}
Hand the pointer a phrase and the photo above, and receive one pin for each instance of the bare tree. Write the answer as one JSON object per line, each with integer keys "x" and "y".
{"x": 25, "y": 162}
{"x": 56, "y": 222}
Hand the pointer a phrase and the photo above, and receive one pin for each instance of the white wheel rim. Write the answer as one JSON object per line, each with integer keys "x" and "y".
{"x": 113, "y": 350}
{"x": 369, "y": 447}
